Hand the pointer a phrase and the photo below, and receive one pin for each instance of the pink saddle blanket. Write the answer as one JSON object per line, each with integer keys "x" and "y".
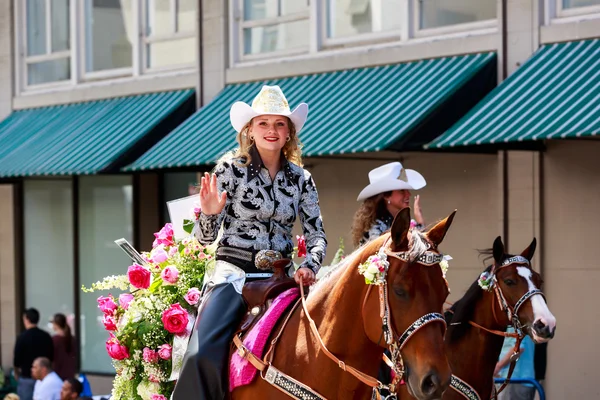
{"x": 241, "y": 372}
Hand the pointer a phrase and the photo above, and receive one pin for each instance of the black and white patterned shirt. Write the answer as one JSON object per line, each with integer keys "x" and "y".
{"x": 259, "y": 213}
{"x": 382, "y": 225}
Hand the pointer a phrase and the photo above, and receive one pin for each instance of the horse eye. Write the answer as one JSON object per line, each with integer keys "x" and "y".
{"x": 400, "y": 292}
{"x": 509, "y": 282}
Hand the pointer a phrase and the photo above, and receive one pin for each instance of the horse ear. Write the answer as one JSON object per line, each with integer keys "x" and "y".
{"x": 498, "y": 250}
{"x": 528, "y": 252}
{"x": 400, "y": 228}
{"x": 438, "y": 232}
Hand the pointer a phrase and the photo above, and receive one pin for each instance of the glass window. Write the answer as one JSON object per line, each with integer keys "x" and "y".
{"x": 109, "y": 34}
{"x": 439, "y": 13}
{"x": 262, "y": 33}
{"x": 47, "y": 38}
{"x": 354, "y": 17}
{"x": 105, "y": 214}
{"x": 178, "y": 185}
{"x": 176, "y": 18}
{"x": 48, "y": 230}
{"x": 580, "y": 3}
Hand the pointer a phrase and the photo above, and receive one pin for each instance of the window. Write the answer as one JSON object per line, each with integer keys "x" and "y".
{"x": 46, "y": 43}
{"x": 105, "y": 214}
{"x": 48, "y": 229}
{"x": 442, "y": 13}
{"x": 270, "y": 26}
{"x": 74, "y": 41}
{"x": 354, "y": 17}
{"x": 170, "y": 32}
{"x": 579, "y": 3}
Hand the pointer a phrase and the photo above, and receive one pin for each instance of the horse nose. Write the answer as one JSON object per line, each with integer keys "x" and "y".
{"x": 543, "y": 330}
{"x": 431, "y": 386}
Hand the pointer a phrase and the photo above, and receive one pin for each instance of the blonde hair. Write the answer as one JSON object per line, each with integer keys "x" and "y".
{"x": 370, "y": 210}
{"x": 292, "y": 150}
{"x": 11, "y": 396}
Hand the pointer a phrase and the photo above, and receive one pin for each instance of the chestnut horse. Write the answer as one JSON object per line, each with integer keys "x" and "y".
{"x": 477, "y": 322}
{"x": 346, "y": 311}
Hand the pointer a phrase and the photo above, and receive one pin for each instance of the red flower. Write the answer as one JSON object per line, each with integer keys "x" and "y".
{"x": 301, "y": 246}
{"x": 175, "y": 319}
{"x": 115, "y": 349}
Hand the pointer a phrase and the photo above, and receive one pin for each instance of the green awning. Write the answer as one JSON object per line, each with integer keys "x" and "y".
{"x": 88, "y": 137}
{"x": 554, "y": 95}
{"x": 351, "y": 111}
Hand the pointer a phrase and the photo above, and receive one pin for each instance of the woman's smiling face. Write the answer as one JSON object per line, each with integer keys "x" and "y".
{"x": 270, "y": 132}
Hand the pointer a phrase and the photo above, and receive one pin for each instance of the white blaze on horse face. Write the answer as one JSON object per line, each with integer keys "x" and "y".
{"x": 540, "y": 308}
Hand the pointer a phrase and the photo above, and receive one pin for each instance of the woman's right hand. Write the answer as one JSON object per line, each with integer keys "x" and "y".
{"x": 211, "y": 202}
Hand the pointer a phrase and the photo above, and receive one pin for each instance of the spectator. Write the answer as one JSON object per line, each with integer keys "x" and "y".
{"x": 31, "y": 344}
{"x": 49, "y": 384}
{"x": 71, "y": 389}
{"x": 64, "y": 348}
{"x": 523, "y": 369}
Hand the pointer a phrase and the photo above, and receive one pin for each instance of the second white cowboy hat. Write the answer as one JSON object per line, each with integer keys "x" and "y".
{"x": 270, "y": 101}
{"x": 390, "y": 177}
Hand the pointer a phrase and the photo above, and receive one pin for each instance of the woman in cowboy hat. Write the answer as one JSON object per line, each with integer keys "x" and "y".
{"x": 387, "y": 193}
{"x": 256, "y": 193}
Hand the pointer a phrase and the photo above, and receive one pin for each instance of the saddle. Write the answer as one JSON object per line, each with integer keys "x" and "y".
{"x": 260, "y": 294}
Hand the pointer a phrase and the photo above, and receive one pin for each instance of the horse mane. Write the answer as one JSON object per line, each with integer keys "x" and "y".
{"x": 418, "y": 245}
{"x": 459, "y": 315}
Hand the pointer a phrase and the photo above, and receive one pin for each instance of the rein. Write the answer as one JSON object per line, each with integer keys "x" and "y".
{"x": 463, "y": 387}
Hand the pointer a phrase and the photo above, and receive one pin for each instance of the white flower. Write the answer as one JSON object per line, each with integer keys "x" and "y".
{"x": 369, "y": 276}
{"x": 373, "y": 268}
{"x": 146, "y": 389}
{"x": 444, "y": 266}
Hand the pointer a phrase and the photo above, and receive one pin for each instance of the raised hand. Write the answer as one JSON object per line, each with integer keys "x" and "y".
{"x": 211, "y": 202}
{"x": 417, "y": 210}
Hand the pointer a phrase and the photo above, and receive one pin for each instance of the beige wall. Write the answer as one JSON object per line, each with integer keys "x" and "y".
{"x": 215, "y": 47}
{"x": 572, "y": 269}
{"x": 469, "y": 183}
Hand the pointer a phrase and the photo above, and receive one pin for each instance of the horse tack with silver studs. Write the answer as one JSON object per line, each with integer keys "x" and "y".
{"x": 463, "y": 388}
{"x": 418, "y": 324}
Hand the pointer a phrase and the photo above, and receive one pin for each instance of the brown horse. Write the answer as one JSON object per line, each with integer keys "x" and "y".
{"x": 347, "y": 314}
{"x": 478, "y": 320}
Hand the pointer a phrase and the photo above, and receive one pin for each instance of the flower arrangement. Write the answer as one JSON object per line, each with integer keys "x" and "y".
{"x": 486, "y": 280}
{"x": 149, "y": 325}
{"x": 374, "y": 269}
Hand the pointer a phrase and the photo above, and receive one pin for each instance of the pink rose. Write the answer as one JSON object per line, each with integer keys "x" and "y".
{"x": 139, "y": 276}
{"x": 192, "y": 296}
{"x": 159, "y": 255}
{"x": 164, "y": 351}
{"x": 150, "y": 356}
{"x": 170, "y": 274}
{"x": 110, "y": 324}
{"x": 158, "y": 397}
{"x": 172, "y": 251}
{"x": 175, "y": 319}
{"x": 301, "y": 246}
{"x": 115, "y": 349}
{"x": 164, "y": 236}
{"x": 107, "y": 305}
{"x": 125, "y": 299}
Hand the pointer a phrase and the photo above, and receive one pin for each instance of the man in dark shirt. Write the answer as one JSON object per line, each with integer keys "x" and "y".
{"x": 31, "y": 344}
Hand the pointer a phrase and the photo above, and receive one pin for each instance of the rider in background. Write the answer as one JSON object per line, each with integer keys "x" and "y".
{"x": 387, "y": 193}
{"x": 256, "y": 193}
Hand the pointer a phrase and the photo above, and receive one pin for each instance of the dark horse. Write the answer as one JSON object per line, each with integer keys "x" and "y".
{"x": 347, "y": 314}
{"x": 477, "y": 322}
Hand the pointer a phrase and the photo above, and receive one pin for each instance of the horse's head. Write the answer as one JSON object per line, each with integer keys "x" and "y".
{"x": 518, "y": 288}
{"x": 414, "y": 290}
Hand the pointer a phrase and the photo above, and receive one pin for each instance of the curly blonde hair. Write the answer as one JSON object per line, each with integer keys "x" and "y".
{"x": 370, "y": 210}
{"x": 292, "y": 150}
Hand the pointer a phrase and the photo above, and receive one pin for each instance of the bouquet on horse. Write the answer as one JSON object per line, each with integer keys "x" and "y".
{"x": 150, "y": 323}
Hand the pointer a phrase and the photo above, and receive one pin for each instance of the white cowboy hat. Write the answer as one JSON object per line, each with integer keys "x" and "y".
{"x": 270, "y": 101}
{"x": 390, "y": 177}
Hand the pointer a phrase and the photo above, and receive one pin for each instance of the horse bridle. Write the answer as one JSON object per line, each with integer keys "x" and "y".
{"x": 394, "y": 341}
{"x": 513, "y": 312}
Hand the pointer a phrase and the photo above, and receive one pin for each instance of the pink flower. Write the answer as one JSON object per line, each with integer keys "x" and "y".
{"x": 109, "y": 323}
{"x": 125, "y": 299}
{"x": 107, "y": 305}
{"x": 139, "y": 276}
{"x": 158, "y": 397}
{"x": 115, "y": 349}
{"x": 159, "y": 255}
{"x": 175, "y": 319}
{"x": 153, "y": 378}
{"x": 192, "y": 296}
{"x": 164, "y": 351}
{"x": 301, "y": 246}
{"x": 197, "y": 211}
{"x": 164, "y": 236}
{"x": 170, "y": 274}
{"x": 150, "y": 356}
{"x": 172, "y": 251}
